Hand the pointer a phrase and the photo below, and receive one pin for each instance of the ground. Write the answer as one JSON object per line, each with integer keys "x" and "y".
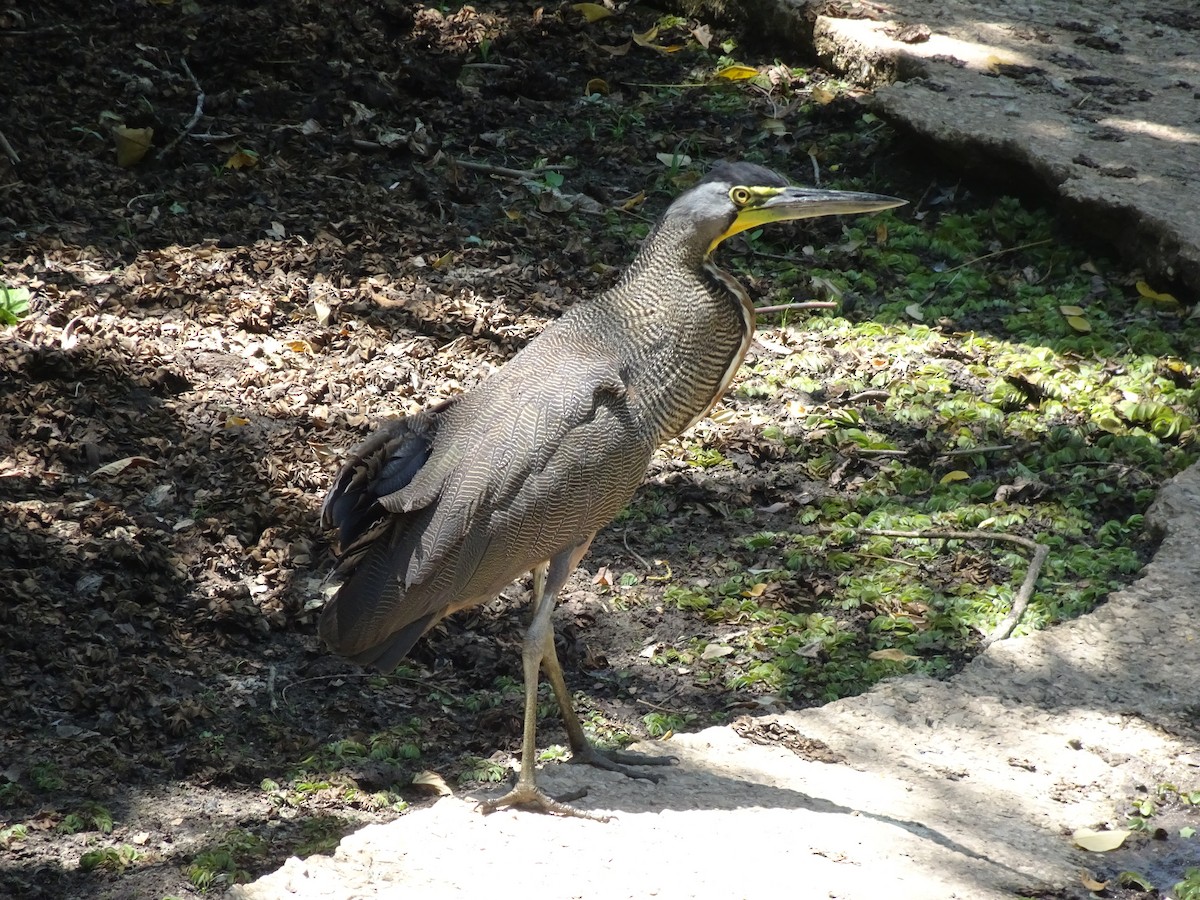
{"x": 340, "y": 238}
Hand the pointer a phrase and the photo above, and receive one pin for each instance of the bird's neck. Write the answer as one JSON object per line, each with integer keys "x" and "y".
{"x": 686, "y": 325}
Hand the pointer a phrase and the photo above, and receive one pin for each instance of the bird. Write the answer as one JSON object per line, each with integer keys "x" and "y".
{"x": 441, "y": 510}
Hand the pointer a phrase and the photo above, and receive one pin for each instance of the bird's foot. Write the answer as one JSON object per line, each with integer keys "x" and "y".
{"x": 618, "y": 761}
{"x": 529, "y": 795}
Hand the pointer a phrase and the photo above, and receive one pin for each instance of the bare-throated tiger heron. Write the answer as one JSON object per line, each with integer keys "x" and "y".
{"x": 443, "y": 509}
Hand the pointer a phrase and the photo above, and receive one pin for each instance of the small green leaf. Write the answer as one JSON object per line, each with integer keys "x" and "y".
{"x": 1135, "y": 879}
{"x": 1079, "y": 323}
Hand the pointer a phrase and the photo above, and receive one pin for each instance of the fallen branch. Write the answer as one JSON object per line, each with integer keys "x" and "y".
{"x": 196, "y": 114}
{"x": 1023, "y": 596}
{"x": 502, "y": 171}
{"x": 811, "y": 304}
{"x": 8, "y": 150}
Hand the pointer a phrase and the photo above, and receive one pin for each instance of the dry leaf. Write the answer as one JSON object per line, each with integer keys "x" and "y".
{"x": 715, "y": 651}
{"x": 674, "y": 160}
{"x": 1086, "y": 879}
{"x": 242, "y": 159}
{"x": 891, "y": 655}
{"x": 323, "y": 312}
{"x": 132, "y": 144}
{"x": 236, "y": 422}
{"x": 646, "y": 38}
{"x": 821, "y": 95}
{"x": 703, "y": 35}
{"x": 592, "y": 12}
{"x": 120, "y": 465}
{"x": 432, "y": 781}
{"x": 956, "y": 475}
{"x": 737, "y": 73}
{"x": 1099, "y": 841}
{"x": 596, "y": 86}
{"x": 616, "y": 50}
{"x": 299, "y": 346}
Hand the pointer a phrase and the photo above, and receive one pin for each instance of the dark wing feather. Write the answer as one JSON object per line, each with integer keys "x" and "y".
{"x": 422, "y": 506}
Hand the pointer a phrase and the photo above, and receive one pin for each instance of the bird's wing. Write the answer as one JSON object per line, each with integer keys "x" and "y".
{"x": 502, "y": 437}
{"x": 377, "y": 469}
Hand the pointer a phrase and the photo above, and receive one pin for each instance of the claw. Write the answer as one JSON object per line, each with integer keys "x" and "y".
{"x": 617, "y": 761}
{"x": 531, "y": 796}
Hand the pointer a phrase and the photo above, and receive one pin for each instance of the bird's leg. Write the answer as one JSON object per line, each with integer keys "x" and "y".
{"x": 548, "y": 579}
{"x": 582, "y": 750}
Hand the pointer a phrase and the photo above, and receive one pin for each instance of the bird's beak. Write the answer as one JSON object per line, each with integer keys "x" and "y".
{"x": 806, "y": 203}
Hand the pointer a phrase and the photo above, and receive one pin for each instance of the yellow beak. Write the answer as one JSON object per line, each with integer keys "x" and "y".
{"x": 805, "y": 203}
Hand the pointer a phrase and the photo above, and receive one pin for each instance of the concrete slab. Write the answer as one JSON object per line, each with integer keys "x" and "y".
{"x": 1097, "y": 100}
{"x": 968, "y": 788}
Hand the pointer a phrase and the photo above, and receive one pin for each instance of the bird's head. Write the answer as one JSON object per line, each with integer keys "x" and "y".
{"x": 735, "y": 197}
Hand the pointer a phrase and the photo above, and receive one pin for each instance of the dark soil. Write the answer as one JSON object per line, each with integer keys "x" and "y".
{"x": 213, "y": 326}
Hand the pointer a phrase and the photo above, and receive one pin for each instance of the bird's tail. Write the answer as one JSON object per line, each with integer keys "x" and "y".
{"x": 368, "y": 619}
{"x": 372, "y": 592}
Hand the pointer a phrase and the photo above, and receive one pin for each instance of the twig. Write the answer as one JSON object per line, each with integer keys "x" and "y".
{"x": 209, "y": 136}
{"x": 810, "y": 304}
{"x": 8, "y": 150}
{"x": 196, "y": 114}
{"x": 1001, "y": 252}
{"x": 868, "y": 395}
{"x": 971, "y": 451}
{"x": 502, "y": 171}
{"x": 634, "y": 553}
{"x": 1024, "y": 594}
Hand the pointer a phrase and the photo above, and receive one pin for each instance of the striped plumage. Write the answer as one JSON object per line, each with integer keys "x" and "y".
{"x": 442, "y": 510}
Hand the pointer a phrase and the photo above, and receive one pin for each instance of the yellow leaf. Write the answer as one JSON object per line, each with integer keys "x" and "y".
{"x": 299, "y": 346}
{"x": 1079, "y": 323}
{"x": 592, "y": 12}
{"x": 776, "y": 127}
{"x": 242, "y": 159}
{"x": 1091, "y": 883}
{"x": 891, "y": 654}
{"x": 444, "y": 260}
{"x": 822, "y": 96}
{"x": 1099, "y": 841}
{"x": 756, "y": 591}
{"x": 132, "y": 144}
{"x": 1150, "y": 294}
{"x": 634, "y": 202}
{"x": 736, "y": 73}
{"x": 1167, "y": 300}
{"x": 646, "y": 38}
{"x": 881, "y": 233}
{"x": 596, "y": 86}
{"x": 1071, "y": 310}
{"x": 236, "y": 422}
{"x": 956, "y": 475}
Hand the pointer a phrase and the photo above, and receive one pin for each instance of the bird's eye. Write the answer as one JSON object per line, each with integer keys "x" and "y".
{"x": 740, "y": 196}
